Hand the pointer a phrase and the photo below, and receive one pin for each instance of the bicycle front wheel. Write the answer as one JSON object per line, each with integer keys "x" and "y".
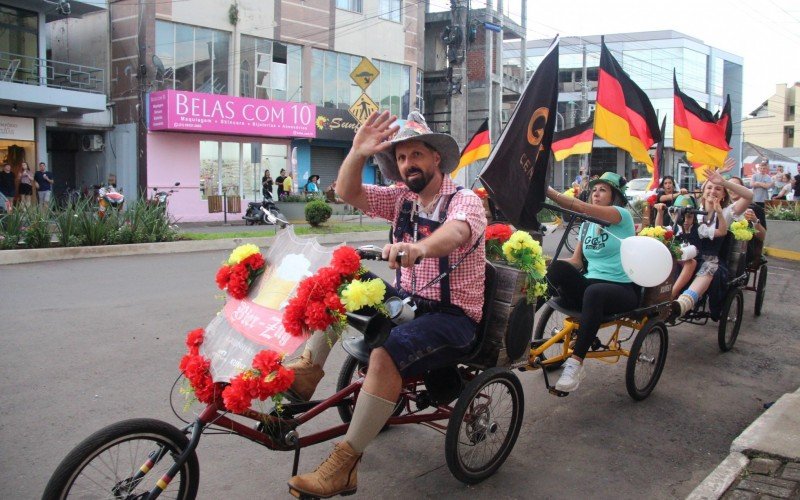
{"x": 484, "y": 425}
{"x": 126, "y": 460}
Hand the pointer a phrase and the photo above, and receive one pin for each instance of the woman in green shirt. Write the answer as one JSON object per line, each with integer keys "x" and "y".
{"x": 603, "y": 287}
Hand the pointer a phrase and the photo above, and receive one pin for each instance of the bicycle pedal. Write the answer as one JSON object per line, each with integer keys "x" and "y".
{"x": 556, "y": 392}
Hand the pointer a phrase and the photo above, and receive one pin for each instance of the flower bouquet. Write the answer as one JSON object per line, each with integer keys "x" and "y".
{"x": 665, "y": 236}
{"x": 238, "y": 273}
{"x": 742, "y": 230}
{"x": 265, "y": 379}
{"x": 519, "y": 250}
{"x": 323, "y": 298}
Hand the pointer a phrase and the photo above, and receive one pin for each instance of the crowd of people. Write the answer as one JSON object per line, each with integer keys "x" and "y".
{"x": 284, "y": 185}
{"x": 21, "y": 188}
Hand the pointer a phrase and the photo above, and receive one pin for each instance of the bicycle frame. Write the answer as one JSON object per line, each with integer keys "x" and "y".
{"x": 280, "y": 433}
{"x": 565, "y": 335}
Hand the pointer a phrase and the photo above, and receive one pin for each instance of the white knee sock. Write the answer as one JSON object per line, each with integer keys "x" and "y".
{"x": 319, "y": 346}
{"x": 369, "y": 417}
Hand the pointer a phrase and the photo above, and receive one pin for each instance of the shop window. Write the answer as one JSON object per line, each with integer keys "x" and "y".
{"x": 330, "y": 72}
{"x": 195, "y": 59}
{"x": 237, "y": 168}
{"x": 392, "y": 87}
{"x": 19, "y": 39}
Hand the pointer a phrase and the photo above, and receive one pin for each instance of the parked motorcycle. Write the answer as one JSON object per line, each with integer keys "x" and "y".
{"x": 265, "y": 212}
{"x": 159, "y": 198}
{"x": 109, "y": 197}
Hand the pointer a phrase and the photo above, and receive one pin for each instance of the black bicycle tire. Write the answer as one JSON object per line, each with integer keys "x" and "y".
{"x": 630, "y": 369}
{"x": 81, "y": 456}
{"x": 761, "y": 290}
{"x": 538, "y": 333}
{"x": 452, "y": 456}
{"x": 726, "y": 343}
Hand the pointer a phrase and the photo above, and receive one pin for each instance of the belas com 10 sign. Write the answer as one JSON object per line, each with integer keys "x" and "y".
{"x": 180, "y": 111}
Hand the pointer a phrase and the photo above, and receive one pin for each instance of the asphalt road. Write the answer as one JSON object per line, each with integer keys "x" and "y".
{"x": 89, "y": 342}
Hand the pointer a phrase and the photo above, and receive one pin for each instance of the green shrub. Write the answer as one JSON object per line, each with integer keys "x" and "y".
{"x": 11, "y": 228}
{"x": 317, "y": 212}
{"x": 67, "y": 223}
{"x": 37, "y": 230}
{"x": 784, "y": 212}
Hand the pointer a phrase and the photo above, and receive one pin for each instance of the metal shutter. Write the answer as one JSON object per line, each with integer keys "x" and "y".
{"x": 325, "y": 163}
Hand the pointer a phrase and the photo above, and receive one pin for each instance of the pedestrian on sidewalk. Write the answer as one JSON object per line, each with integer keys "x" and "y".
{"x": 44, "y": 185}
{"x": 7, "y": 187}
{"x": 279, "y": 181}
{"x": 25, "y": 185}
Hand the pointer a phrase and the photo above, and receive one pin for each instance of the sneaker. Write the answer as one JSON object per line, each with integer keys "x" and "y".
{"x": 571, "y": 376}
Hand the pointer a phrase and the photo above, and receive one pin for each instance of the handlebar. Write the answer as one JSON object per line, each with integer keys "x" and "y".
{"x": 372, "y": 252}
{"x": 575, "y": 214}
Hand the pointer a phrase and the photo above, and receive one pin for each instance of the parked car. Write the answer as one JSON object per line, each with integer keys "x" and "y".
{"x": 637, "y": 189}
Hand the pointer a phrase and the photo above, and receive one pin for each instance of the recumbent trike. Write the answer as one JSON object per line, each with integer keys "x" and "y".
{"x": 478, "y": 406}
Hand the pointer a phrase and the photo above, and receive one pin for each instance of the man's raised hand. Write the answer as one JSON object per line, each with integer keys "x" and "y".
{"x": 373, "y": 136}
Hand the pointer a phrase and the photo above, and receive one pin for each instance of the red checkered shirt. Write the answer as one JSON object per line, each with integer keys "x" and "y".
{"x": 466, "y": 282}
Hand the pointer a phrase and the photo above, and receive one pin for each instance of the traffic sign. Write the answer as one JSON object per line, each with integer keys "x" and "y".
{"x": 362, "y": 108}
{"x": 365, "y": 73}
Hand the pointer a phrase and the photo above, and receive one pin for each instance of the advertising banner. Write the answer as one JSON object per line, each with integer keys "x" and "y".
{"x": 179, "y": 111}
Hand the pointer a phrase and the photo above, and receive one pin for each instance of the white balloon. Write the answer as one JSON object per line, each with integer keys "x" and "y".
{"x": 645, "y": 260}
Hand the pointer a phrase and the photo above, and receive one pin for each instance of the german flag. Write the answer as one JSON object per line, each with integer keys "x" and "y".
{"x": 624, "y": 115}
{"x": 476, "y": 149}
{"x": 658, "y": 159}
{"x": 573, "y": 141}
{"x": 698, "y": 132}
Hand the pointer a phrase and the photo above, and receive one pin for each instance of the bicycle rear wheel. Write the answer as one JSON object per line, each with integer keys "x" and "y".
{"x": 125, "y": 460}
{"x": 550, "y": 323}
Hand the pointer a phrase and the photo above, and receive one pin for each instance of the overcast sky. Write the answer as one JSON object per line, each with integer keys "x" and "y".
{"x": 766, "y": 33}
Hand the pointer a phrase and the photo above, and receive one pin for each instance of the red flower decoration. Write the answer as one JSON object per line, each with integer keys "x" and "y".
{"x": 237, "y": 278}
{"x": 652, "y": 199}
{"x": 265, "y": 379}
{"x": 223, "y": 276}
{"x": 346, "y": 261}
{"x": 482, "y": 193}
{"x": 500, "y": 232}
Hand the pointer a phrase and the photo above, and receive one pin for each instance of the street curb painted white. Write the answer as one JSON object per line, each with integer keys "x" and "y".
{"x": 717, "y": 483}
{"x": 26, "y": 256}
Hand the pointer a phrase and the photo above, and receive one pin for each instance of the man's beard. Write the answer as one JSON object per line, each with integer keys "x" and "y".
{"x": 418, "y": 184}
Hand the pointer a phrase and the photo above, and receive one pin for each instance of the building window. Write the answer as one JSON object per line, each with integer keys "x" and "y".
{"x": 392, "y": 87}
{"x": 352, "y": 5}
{"x": 391, "y": 10}
{"x": 195, "y": 59}
{"x": 275, "y": 69}
{"x": 420, "y": 104}
{"x": 19, "y": 36}
{"x": 330, "y": 72}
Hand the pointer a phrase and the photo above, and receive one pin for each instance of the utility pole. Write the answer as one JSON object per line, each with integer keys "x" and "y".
{"x": 456, "y": 70}
{"x": 584, "y": 164}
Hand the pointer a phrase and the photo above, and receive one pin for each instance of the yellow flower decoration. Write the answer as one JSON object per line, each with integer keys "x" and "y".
{"x": 359, "y": 294}
{"x": 242, "y": 252}
{"x": 741, "y": 230}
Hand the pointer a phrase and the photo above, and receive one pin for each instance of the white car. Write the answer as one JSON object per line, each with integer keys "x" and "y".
{"x": 637, "y": 189}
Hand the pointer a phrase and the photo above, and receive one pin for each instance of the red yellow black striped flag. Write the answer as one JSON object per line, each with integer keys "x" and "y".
{"x": 476, "y": 149}
{"x": 658, "y": 159}
{"x": 573, "y": 141}
{"x": 624, "y": 115}
{"x": 704, "y": 137}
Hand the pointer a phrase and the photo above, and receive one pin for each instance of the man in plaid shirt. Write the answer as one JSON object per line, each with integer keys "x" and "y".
{"x": 434, "y": 223}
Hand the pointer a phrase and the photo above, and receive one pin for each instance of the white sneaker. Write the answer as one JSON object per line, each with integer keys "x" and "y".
{"x": 571, "y": 377}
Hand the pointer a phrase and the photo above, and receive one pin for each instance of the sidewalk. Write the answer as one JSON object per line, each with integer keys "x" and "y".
{"x": 764, "y": 461}
{"x": 24, "y": 256}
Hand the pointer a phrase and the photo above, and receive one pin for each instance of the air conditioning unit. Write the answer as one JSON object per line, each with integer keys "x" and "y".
{"x": 93, "y": 142}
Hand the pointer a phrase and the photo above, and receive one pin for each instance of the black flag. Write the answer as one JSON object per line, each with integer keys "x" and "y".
{"x": 515, "y": 175}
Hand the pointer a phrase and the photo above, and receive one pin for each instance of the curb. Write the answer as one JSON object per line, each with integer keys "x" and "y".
{"x": 774, "y": 433}
{"x": 717, "y": 483}
{"x": 9, "y": 257}
{"x": 782, "y": 253}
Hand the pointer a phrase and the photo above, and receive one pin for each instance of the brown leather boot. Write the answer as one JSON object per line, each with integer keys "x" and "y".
{"x": 306, "y": 377}
{"x": 337, "y": 475}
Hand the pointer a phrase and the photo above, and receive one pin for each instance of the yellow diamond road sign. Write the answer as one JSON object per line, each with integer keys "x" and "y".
{"x": 365, "y": 73}
{"x": 362, "y": 108}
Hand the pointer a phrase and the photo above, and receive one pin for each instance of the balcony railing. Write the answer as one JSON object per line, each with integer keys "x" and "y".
{"x": 18, "y": 68}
